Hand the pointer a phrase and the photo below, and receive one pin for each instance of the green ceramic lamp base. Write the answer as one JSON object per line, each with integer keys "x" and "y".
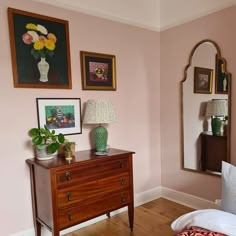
{"x": 216, "y": 124}
{"x": 100, "y": 138}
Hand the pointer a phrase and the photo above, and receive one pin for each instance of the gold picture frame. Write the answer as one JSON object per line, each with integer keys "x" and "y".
{"x": 98, "y": 71}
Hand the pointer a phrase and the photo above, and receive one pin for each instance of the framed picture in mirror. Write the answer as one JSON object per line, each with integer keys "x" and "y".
{"x": 203, "y": 80}
{"x": 221, "y": 85}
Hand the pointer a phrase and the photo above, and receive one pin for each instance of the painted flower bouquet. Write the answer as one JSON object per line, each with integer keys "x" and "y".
{"x": 44, "y": 43}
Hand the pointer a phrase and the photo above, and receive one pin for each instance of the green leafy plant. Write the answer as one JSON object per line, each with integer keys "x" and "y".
{"x": 42, "y": 137}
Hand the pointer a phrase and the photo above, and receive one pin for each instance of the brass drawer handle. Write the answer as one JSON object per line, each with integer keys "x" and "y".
{"x": 122, "y": 181}
{"x": 68, "y": 196}
{"x": 70, "y": 216}
{"x": 122, "y": 198}
{"x": 121, "y": 164}
{"x": 68, "y": 176}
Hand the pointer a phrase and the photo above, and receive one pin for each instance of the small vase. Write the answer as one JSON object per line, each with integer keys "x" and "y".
{"x": 225, "y": 84}
{"x": 43, "y": 67}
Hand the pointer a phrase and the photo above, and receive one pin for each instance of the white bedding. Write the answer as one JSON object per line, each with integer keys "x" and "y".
{"x": 228, "y": 202}
{"x": 222, "y": 221}
{"x": 211, "y": 219}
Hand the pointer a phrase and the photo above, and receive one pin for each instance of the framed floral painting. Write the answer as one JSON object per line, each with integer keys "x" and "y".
{"x": 98, "y": 71}
{"x": 40, "y": 50}
{"x": 60, "y": 114}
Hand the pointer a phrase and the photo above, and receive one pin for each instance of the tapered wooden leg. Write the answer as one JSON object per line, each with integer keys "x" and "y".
{"x": 37, "y": 225}
{"x": 131, "y": 216}
{"x": 56, "y": 233}
{"x": 109, "y": 215}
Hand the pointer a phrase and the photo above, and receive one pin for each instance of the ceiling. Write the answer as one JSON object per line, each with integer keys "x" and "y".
{"x": 155, "y": 15}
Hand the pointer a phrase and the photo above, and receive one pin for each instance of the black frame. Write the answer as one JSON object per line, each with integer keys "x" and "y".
{"x": 52, "y": 113}
{"x": 220, "y": 74}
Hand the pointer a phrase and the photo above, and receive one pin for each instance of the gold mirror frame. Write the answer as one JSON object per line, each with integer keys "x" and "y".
{"x": 218, "y": 57}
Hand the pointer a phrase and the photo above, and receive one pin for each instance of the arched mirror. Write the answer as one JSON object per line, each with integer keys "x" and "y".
{"x": 205, "y": 109}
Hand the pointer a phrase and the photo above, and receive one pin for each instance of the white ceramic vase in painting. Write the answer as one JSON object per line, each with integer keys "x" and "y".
{"x": 43, "y": 67}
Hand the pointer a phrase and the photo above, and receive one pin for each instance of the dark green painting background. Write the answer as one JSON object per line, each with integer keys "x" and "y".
{"x": 27, "y": 65}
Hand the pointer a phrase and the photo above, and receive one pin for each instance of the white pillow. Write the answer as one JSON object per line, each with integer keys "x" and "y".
{"x": 228, "y": 202}
{"x": 211, "y": 219}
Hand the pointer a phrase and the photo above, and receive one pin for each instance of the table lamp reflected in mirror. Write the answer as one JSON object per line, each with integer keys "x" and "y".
{"x": 217, "y": 109}
{"x": 99, "y": 112}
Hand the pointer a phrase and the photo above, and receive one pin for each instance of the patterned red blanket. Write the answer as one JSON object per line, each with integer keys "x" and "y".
{"x": 197, "y": 231}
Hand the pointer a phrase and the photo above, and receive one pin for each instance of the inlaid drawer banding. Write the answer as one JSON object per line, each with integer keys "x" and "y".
{"x": 86, "y": 173}
{"x": 94, "y": 189}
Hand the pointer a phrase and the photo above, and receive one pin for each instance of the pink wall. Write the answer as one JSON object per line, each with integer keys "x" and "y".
{"x": 176, "y": 45}
{"x": 137, "y": 104}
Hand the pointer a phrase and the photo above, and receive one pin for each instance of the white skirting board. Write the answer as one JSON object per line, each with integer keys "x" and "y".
{"x": 187, "y": 199}
{"x": 139, "y": 199}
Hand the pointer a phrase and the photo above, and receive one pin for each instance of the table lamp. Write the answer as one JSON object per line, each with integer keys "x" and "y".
{"x": 99, "y": 112}
{"x": 217, "y": 108}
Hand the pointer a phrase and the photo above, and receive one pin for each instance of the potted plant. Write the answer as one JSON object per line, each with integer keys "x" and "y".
{"x": 46, "y": 142}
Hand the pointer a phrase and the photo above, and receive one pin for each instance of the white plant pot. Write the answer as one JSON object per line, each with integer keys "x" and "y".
{"x": 42, "y": 154}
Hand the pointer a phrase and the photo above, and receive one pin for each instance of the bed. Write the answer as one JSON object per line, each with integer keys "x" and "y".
{"x": 213, "y": 222}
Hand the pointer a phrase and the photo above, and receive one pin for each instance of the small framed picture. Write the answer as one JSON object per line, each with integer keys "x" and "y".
{"x": 61, "y": 114}
{"x": 222, "y": 77}
{"x": 98, "y": 71}
{"x": 203, "y": 80}
{"x": 40, "y": 50}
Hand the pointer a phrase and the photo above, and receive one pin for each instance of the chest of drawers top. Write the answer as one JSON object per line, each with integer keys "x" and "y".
{"x": 81, "y": 158}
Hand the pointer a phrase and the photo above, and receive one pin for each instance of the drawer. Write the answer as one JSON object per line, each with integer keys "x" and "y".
{"x": 95, "y": 189}
{"x": 87, "y": 172}
{"x": 77, "y": 214}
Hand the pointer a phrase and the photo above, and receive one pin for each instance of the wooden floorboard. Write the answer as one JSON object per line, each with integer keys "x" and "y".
{"x": 151, "y": 219}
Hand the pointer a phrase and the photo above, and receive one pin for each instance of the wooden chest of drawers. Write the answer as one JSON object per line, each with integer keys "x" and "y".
{"x": 65, "y": 194}
{"x": 214, "y": 151}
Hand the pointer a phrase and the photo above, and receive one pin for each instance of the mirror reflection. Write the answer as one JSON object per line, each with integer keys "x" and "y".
{"x": 205, "y": 92}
